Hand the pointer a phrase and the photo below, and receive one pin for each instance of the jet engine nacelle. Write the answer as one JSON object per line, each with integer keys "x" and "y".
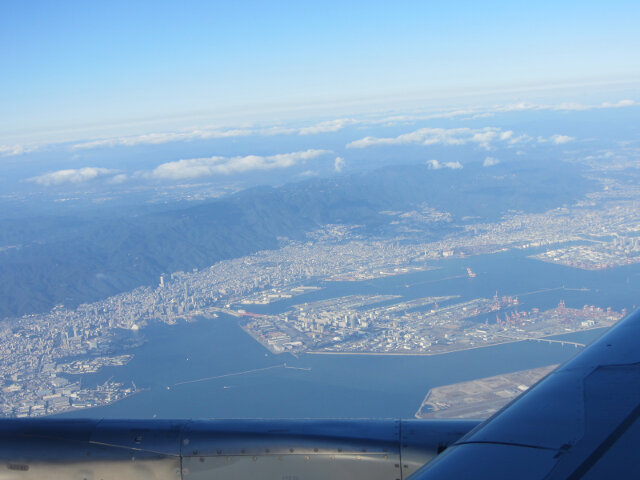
{"x": 222, "y": 449}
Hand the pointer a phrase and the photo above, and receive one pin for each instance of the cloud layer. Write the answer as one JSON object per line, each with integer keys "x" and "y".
{"x": 209, "y": 166}
{"x": 209, "y": 133}
{"x": 490, "y": 162}
{"x": 560, "y": 139}
{"x": 11, "y": 150}
{"x": 565, "y": 106}
{"x": 186, "y": 169}
{"x": 486, "y": 138}
{"x": 71, "y": 175}
{"x": 159, "y": 138}
{"x": 444, "y": 136}
{"x": 327, "y": 126}
{"x": 436, "y": 165}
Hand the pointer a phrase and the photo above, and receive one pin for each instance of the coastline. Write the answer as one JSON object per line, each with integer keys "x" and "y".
{"x": 463, "y": 349}
{"x": 71, "y": 410}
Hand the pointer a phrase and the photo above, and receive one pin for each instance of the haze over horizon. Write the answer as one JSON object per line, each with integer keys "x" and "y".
{"x": 75, "y": 71}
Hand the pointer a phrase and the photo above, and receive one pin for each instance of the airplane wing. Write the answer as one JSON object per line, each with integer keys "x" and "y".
{"x": 581, "y": 421}
{"x": 67, "y": 449}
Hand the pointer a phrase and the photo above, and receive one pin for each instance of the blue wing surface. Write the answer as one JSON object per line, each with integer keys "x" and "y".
{"x": 581, "y": 421}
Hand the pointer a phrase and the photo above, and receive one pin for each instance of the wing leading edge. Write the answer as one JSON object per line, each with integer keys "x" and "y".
{"x": 581, "y": 421}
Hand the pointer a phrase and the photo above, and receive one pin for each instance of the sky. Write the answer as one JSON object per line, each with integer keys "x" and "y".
{"x": 72, "y": 70}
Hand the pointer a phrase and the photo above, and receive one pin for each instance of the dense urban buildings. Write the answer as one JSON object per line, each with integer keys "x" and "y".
{"x": 44, "y": 355}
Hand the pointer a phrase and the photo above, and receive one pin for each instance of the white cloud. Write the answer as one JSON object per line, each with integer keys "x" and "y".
{"x": 564, "y": 106}
{"x": 509, "y": 137}
{"x": 209, "y": 133}
{"x": 338, "y": 164}
{"x": 490, "y": 162}
{"x": 601, "y": 155}
{"x": 11, "y": 150}
{"x": 327, "y": 127}
{"x": 276, "y": 130}
{"x": 120, "y": 178}
{"x": 476, "y": 112}
{"x": 204, "y": 167}
{"x": 8, "y": 150}
{"x": 433, "y": 164}
{"x": 523, "y": 138}
{"x": 556, "y": 139}
{"x": 483, "y": 115}
{"x": 560, "y": 139}
{"x": 506, "y": 135}
{"x": 486, "y": 138}
{"x": 159, "y": 138}
{"x": 442, "y": 136}
{"x": 436, "y": 165}
{"x": 71, "y": 175}
{"x": 620, "y": 104}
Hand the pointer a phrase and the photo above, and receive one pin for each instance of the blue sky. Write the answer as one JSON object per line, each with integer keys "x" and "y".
{"x": 70, "y": 66}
